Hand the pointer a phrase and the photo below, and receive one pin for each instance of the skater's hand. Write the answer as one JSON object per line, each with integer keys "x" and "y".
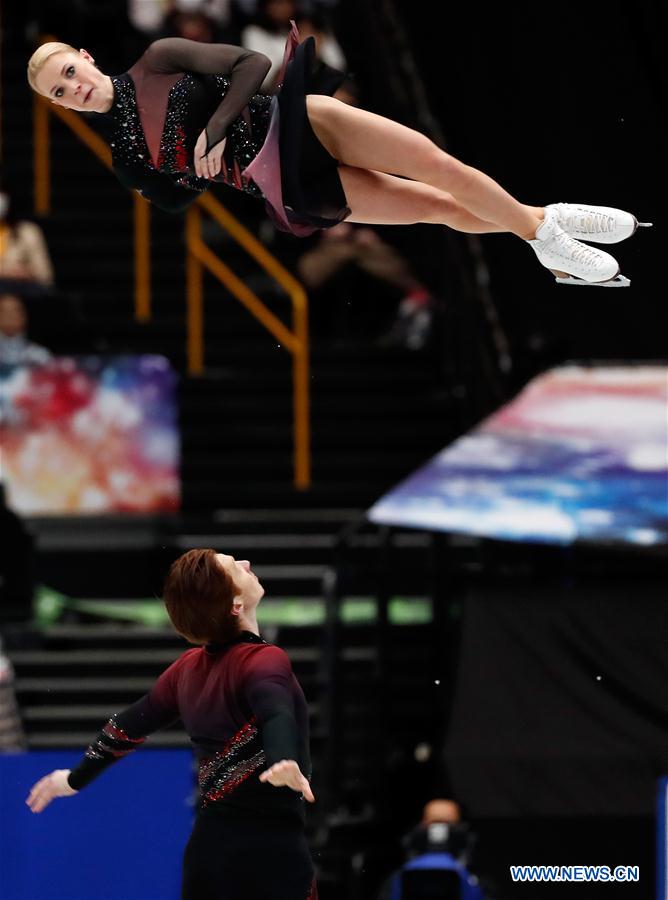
{"x": 48, "y": 788}
{"x": 208, "y": 165}
{"x": 286, "y": 773}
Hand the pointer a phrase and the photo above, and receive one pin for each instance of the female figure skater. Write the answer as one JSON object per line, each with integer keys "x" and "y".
{"x": 247, "y": 717}
{"x": 187, "y": 113}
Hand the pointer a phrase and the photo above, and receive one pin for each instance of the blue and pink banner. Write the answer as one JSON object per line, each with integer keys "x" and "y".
{"x": 90, "y": 435}
{"x": 580, "y": 454}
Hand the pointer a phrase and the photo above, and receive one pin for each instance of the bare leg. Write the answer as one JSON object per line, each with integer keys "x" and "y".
{"x": 364, "y": 140}
{"x": 375, "y": 198}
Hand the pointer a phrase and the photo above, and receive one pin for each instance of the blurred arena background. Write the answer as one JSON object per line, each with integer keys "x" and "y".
{"x": 488, "y": 627}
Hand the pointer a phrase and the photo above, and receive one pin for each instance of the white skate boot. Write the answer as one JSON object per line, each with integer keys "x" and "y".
{"x": 570, "y": 261}
{"x": 599, "y": 224}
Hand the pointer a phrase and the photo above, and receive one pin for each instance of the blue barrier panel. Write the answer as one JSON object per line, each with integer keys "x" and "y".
{"x": 122, "y": 836}
{"x": 662, "y": 840}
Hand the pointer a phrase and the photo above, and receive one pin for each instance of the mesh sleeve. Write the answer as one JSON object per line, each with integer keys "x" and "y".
{"x": 245, "y": 69}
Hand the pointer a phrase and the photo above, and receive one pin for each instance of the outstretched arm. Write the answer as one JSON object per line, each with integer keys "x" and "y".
{"x": 123, "y": 733}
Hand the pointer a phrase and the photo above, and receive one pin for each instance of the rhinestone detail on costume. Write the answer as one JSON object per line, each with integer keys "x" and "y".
{"x": 219, "y": 775}
{"x": 176, "y": 146}
{"x": 112, "y": 741}
{"x": 128, "y": 145}
{"x": 244, "y": 143}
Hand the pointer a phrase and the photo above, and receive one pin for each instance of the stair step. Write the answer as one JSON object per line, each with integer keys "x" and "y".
{"x": 106, "y": 685}
{"x": 79, "y": 740}
{"x": 95, "y": 714}
{"x": 335, "y": 516}
{"x": 250, "y": 542}
{"x": 115, "y": 657}
{"x": 124, "y": 658}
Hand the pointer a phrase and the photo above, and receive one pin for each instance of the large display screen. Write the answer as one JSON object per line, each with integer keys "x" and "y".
{"x": 580, "y": 455}
{"x": 90, "y": 434}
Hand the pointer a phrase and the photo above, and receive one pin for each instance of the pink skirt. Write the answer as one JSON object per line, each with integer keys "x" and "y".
{"x": 297, "y": 176}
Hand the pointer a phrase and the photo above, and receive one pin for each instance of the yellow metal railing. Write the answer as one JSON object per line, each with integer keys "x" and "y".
{"x": 199, "y": 258}
{"x": 42, "y": 162}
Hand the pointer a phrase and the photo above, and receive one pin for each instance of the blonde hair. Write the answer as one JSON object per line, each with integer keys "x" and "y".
{"x": 40, "y": 56}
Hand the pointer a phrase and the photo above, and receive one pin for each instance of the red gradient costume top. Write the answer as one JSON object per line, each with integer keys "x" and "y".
{"x": 243, "y": 709}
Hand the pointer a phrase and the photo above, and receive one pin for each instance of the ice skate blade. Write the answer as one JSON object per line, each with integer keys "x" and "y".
{"x": 644, "y": 224}
{"x": 617, "y": 281}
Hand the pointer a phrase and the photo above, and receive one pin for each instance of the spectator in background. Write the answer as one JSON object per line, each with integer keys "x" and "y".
{"x": 268, "y": 34}
{"x": 438, "y": 850}
{"x": 148, "y": 17}
{"x": 16, "y": 566}
{"x": 248, "y": 8}
{"x": 12, "y": 737}
{"x": 456, "y": 834}
{"x": 218, "y": 11}
{"x": 23, "y": 251}
{"x": 360, "y": 246}
{"x": 196, "y": 20}
{"x": 15, "y": 347}
{"x": 347, "y": 246}
{"x": 206, "y": 21}
{"x": 347, "y": 92}
{"x": 27, "y": 291}
{"x": 315, "y": 24}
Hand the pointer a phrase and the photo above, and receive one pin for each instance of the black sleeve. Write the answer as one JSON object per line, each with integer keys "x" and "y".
{"x": 245, "y": 68}
{"x": 126, "y": 731}
{"x": 268, "y": 688}
{"x": 159, "y": 189}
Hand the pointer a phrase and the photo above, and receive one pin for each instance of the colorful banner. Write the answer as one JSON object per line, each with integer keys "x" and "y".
{"x": 580, "y": 454}
{"x": 90, "y": 435}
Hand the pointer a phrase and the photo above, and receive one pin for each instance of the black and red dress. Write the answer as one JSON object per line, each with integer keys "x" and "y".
{"x": 244, "y": 710}
{"x": 179, "y": 88}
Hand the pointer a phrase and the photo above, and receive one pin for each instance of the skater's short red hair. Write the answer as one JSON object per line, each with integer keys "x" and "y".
{"x": 198, "y": 595}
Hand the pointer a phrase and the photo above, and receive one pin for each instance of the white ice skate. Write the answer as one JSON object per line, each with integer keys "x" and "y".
{"x": 599, "y": 224}
{"x": 570, "y": 261}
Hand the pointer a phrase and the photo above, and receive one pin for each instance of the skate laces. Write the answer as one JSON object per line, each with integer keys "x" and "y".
{"x": 574, "y": 250}
{"x": 589, "y": 222}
